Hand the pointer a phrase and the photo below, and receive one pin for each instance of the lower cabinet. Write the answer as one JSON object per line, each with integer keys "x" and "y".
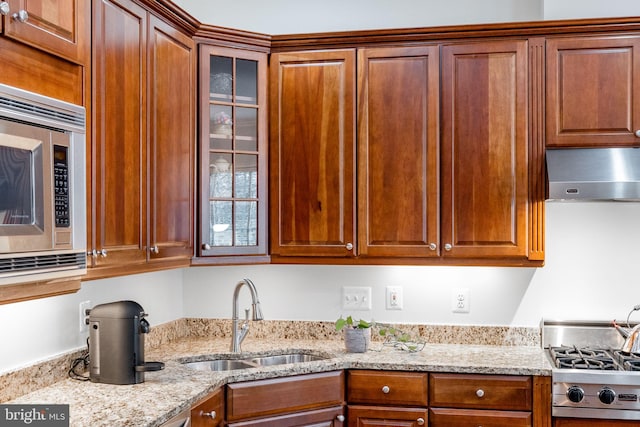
{"x": 383, "y": 398}
{"x": 210, "y": 411}
{"x": 464, "y": 400}
{"x": 304, "y": 400}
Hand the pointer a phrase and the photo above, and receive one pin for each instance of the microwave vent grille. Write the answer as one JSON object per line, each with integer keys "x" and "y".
{"x": 42, "y": 112}
{"x": 42, "y": 263}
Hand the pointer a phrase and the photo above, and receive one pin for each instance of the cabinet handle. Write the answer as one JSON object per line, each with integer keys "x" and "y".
{"x": 433, "y": 246}
{"x": 420, "y": 421}
{"x": 154, "y": 249}
{"x": 349, "y": 246}
{"x": 211, "y": 414}
{"x": 21, "y": 16}
{"x": 340, "y": 418}
{"x": 103, "y": 253}
{"x": 447, "y": 247}
{"x": 386, "y": 389}
{"x": 638, "y": 133}
{"x": 92, "y": 253}
{"x": 4, "y": 8}
{"x": 480, "y": 392}
{"x": 206, "y": 246}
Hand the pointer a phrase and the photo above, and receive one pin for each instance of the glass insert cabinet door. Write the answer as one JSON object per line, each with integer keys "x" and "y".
{"x": 233, "y": 127}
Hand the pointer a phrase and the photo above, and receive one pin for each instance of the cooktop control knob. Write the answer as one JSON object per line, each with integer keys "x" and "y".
{"x": 575, "y": 393}
{"x": 607, "y": 395}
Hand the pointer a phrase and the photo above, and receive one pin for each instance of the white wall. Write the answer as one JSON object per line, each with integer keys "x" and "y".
{"x": 569, "y": 9}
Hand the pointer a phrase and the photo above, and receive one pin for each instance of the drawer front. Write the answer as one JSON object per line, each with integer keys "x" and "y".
{"x": 473, "y": 418}
{"x": 387, "y": 388}
{"x": 481, "y": 391}
{"x": 284, "y": 395}
{"x": 378, "y": 416}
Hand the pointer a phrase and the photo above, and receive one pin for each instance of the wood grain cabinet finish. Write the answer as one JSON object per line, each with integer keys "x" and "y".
{"x": 209, "y": 412}
{"x": 61, "y": 28}
{"x": 292, "y": 395}
{"x": 143, "y": 141}
{"x": 440, "y": 417}
{"x": 398, "y": 164}
{"x": 593, "y": 91}
{"x": 383, "y": 398}
{"x": 485, "y": 149}
{"x": 312, "y": 153}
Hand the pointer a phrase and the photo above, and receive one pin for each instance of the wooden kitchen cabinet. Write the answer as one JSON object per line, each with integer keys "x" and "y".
{"x": 210, "y": 411}
{"x": 398, "y": 163}
{"x": 312, "y": 153}
{"x": 485, "y": 149}
{"x": 593, "y": 91}
{"x": 233, "y": 162}
{"x": 382, "y": 398}
{"x": 488, "y": 400}
{"x": 312, "y": 399}
{"x": 143, "y": 142}
{"x": 61, "y": 28}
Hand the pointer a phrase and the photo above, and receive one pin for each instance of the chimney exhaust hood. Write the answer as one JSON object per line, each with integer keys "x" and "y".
{"x": 594, "y": 174}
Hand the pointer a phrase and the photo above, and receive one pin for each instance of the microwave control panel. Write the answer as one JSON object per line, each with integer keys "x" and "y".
{"x": 61, "y": 185}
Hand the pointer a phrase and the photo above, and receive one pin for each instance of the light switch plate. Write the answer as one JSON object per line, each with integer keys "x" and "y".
{"x": 356, "y": 298}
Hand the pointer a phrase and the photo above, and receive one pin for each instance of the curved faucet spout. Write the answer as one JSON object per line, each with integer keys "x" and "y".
{"x": 238, "y": 334}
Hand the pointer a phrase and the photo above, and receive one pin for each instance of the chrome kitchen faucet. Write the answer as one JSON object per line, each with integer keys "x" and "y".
{"x": 239, "y": 334}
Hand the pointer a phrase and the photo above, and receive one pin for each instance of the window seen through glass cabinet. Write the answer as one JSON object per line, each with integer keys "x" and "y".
{"x": 233, "y": 124}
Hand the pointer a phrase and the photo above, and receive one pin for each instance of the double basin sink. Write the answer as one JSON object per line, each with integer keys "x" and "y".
{"x": 229, "y": 364}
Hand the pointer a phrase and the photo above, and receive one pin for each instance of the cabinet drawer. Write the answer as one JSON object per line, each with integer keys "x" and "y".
{"x": 283, "y": 395}
{"x": 481, "y": 391}
{"x": 374, "y": 416}
{"x": 387, "y": 388}
{"x": 210, "y": 412}
{"x": 439, "y": 417}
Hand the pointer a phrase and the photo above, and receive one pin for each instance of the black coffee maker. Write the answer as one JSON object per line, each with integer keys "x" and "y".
{"x": 116, "y": 343}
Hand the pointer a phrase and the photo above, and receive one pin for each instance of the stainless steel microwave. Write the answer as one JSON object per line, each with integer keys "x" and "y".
{"x": 42, "y": 188}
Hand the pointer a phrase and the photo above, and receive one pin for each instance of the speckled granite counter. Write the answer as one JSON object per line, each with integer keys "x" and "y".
{"x": 166, "y": 393}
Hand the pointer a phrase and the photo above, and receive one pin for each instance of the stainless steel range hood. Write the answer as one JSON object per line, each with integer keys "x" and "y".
{"x": 594, "y": 174}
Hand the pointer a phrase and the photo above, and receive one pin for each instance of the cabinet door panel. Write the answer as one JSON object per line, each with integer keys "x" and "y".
{"x": 484, "y": 149}
{"x": 439, "y": 417}
{"x": 328, "y": 417}
{"x": 593, "y": 86}
{"x": 60, "y": 27}
{"x": 398, "y": 151}
{"x": 379, "y": 416}
{"x": 313, "y": 154}
{"x": 171, "y": 141}
{"x": 119, "y": 166}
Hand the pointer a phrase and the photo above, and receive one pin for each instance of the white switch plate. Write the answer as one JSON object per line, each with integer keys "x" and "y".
{"x": 83, "y": 316}
{"x": 394, "y": 298}
{"x": 356, "y": 298}
{"x": 460, "y": 300}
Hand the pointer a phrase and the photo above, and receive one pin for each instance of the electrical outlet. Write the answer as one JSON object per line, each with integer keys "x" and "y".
{"x": 394, "y": 298}
{"x": 84, "y": 316}
{"x": 356, "y": 298}
{"x": 460, "y": 300}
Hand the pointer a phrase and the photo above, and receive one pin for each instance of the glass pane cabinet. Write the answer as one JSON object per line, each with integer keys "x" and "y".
{"x": 233, "y": 140}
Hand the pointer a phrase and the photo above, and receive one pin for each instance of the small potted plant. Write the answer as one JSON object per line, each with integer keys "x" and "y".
{"x": 357, "y": 334}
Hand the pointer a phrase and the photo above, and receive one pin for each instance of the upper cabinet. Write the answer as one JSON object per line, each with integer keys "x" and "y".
{"x": 313, "y": 151}
{"x": 143, "y": 149}
{"x": 593, "y": 91}
{"x": 484, "y": 149}
{"x": 233, "y": 160}
{"x": 60, "y": 27}
{"x": 398, "y": 146}
{"x": 449, "y": 163}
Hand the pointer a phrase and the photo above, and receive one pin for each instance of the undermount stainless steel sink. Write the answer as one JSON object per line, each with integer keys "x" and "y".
{"x": 228, "y": 364}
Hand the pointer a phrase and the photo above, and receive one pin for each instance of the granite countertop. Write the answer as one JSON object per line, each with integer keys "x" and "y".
{"x": 166, "y": 393}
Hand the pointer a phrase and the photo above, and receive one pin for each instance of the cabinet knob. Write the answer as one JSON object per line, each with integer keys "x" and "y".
{"x": 103, "y": 253}
{"x": 386, "y": 389}
{"x": 480, "y": 392}
{"x": 4, "y": 8}
{"x": 433, "y": 246}
{"x": 211, "y": 414}
{"x": 420, "y": 421}
{"x": 638, "y": 133}
{"x": 154, "y": 249}
{"x": 21, "y": 16}
{"x": 206, "y": 246}
{"x": 92, "y": 253}
{"x": 447, "y": 246}
{"x": 340, "y": 418}
{"x": 349, "y": 246}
